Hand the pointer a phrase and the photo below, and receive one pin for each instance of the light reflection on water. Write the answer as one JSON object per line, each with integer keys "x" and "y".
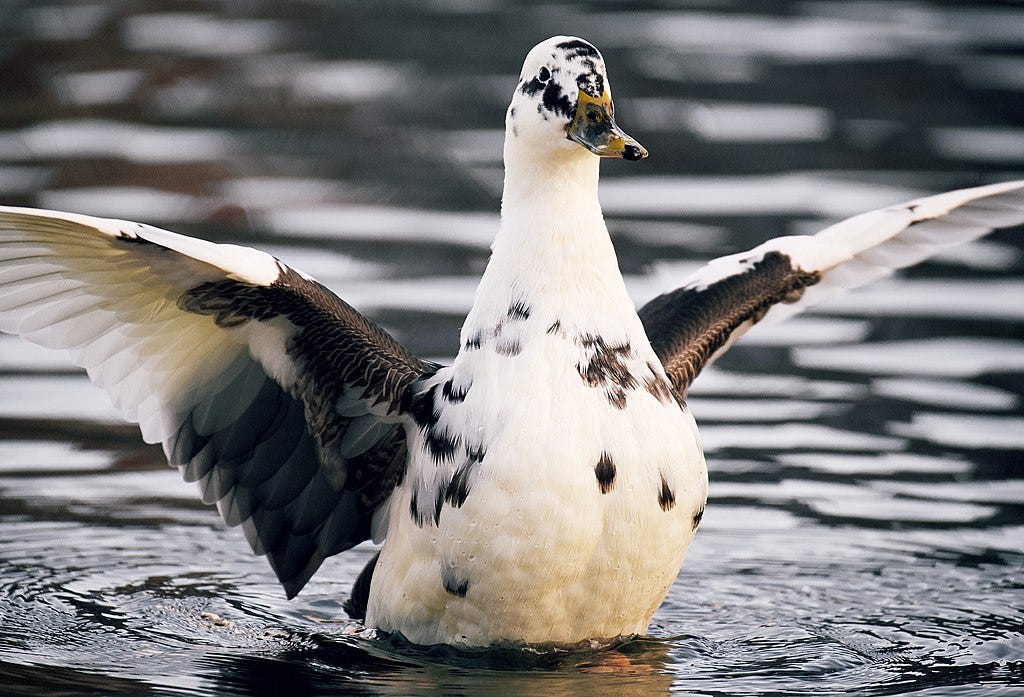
{"x": 867, "y": 504}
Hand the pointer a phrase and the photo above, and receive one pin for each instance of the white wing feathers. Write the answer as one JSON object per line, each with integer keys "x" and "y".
{"x": 691, "y": 326}
{"x": 872, "y": 245}
{"x": 111, "y": 299}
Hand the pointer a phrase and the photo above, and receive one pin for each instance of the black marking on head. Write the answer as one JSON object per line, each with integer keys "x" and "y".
{"x": 453, "y": 584}
{"x": 555, "y": 328}
{"x": 592, "y": 83}
{"x": 474, "y": 342}
{"x": 577, "y": 48}
{"x": 554, "y": 100}
{"x": 605, "y": 471}
{"x": 533, "y": 86}
{"x": 698, "y": 515}
{"x": 518, "y": 311}
{"x": 666, "y": 497}
{"x": 688, "y": 326}
{"x": 452, "y": 394}
{"x": 508, "y": 347}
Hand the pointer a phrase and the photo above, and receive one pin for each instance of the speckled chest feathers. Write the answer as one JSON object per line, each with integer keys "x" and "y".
{"x": 554, "y": 485}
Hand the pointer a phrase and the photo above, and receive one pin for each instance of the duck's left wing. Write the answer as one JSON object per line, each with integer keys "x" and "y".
{"x": 694, "y": 324}
{"x": 276, "y": 396}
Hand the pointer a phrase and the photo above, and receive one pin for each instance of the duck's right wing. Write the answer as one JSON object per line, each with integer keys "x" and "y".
{"x": 283, "y": 403}
{"x": 691, "y": 326}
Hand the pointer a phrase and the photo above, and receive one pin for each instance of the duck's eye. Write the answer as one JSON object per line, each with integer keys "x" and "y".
{"x": 543, "y": 75}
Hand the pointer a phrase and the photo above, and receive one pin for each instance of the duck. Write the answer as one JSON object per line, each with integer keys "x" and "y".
{"x": 543, "y": 487}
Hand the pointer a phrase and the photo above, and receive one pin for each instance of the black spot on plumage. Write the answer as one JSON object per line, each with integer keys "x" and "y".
{"x": 476, "y": 453}
{"x": 616, "y": 396}
{"x": 438, "y": 505}
{"x": 414, "y": 509}
{"x": 439, "y": 442}
{"x": 453, "y": 584}
{"x": 474, "y": 342}
{"x": 555, "y": 328}
{"x": 698, "y": 515}
{"x": 666, "y": 497}
{"x": 605, "y": 471}
{"x": 608, "y": 367}
{"x": 422, "y": 514}
{"x": 518, "y": 311}
{"x": 422, "y": 408}
{"x": 458, "y": 488}
{"x": 657, "y": 386}
{"x": 455, "y": 395}
{"x": 508, "y": 347}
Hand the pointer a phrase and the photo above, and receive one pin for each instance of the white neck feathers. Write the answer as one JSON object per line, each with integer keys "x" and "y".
{"x": 552, "y": 250}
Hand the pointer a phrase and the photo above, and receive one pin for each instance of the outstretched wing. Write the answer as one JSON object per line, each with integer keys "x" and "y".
{"x": 278, "y": 398}
{"x": 694, "y": 324}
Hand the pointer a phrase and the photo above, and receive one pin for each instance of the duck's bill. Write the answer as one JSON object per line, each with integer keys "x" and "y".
{"x": 593, "y": 127}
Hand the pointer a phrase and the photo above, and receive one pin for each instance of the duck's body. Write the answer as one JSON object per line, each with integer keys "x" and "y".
{"x": 552, "y": 464}
{"x": 542, "y": 488}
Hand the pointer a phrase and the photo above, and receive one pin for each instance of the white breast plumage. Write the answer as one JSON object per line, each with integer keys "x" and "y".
{"x": 540, "y": 479}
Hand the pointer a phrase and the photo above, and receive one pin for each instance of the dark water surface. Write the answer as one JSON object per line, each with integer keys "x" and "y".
{"x": 866, "y": 527}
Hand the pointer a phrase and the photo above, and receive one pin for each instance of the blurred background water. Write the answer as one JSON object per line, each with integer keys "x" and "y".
{"x": 866, "y": 527}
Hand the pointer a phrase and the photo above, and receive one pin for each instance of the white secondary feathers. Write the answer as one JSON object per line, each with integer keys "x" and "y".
{"x": 107, "y": 291}
{"x": 871, "y": 245}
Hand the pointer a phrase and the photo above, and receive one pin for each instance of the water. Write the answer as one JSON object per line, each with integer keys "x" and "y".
{"x": 865, "y": 533}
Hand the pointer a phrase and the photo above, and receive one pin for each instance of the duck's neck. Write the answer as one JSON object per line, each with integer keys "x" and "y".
{"x": 552, "y": 250}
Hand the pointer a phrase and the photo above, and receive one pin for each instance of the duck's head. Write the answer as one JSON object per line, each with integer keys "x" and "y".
{"x": 563, "y": 101}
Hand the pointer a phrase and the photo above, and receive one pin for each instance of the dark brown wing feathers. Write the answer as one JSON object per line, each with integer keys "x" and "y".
{"x": 288, "y": 476}
{"x": 687, "y": 326}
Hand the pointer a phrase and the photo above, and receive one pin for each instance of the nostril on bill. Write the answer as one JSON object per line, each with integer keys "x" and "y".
{"x": 633, "y": 152}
